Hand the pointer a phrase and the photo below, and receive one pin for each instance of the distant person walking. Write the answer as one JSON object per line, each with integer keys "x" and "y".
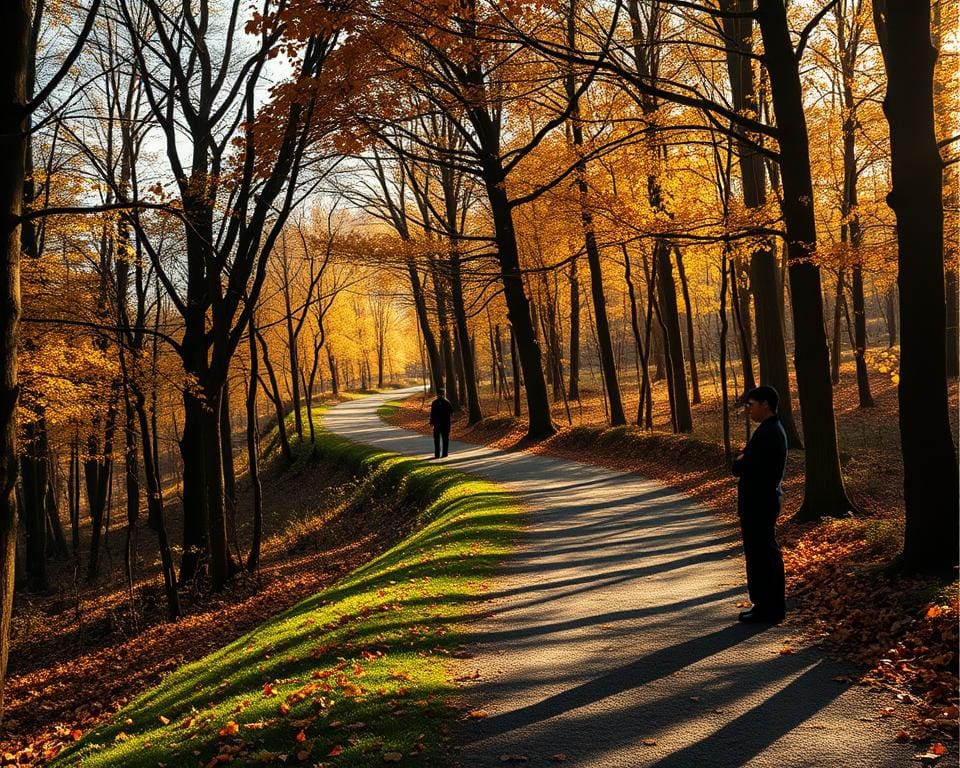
{"x": 440, "y": 412}
{"x": 760, "y": 468}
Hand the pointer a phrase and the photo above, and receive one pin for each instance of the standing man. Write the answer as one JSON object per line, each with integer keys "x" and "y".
{"x": 440, "y": 412}
{"x": 760, "y": 468}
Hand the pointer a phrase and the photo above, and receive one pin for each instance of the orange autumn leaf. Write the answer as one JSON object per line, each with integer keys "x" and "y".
{"x": 230, "y": 729}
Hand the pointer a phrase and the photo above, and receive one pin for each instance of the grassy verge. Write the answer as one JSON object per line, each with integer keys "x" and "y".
{"x": 356, "y": 675}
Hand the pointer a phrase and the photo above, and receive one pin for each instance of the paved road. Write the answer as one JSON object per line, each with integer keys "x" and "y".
{"x": 613, "y": 639}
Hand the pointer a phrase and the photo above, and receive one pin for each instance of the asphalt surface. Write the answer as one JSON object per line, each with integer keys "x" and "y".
{"x": 612, "y": 637}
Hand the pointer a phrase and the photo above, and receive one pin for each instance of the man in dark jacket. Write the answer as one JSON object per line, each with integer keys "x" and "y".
{"x": 760, "y": 468}
{"x": 440, "y": 412}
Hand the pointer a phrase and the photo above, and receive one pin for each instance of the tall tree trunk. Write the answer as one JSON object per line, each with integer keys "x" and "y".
{"x": 670, "y": 321}
{"x": 724, "y": 326}
{"x": 193, "y": 559}
{"x": 469, "y": 384}
{"x": 518, "y": 306}
{"x": 765, "y": 285}
{"x": 33, "y": 472}
{"x": 458, "y": 360}
{"x": 274, "y": 394}
{"x": 837, "y": 328}
{"x": 691, "y": 348}
{"x": 642, "y": 349}
{"x": 131, "y": 472}
{"x": 446, "y": 344}
{"x": 501, "y": 365}
{"x": 890, "y": 316}
{"x": 515, "y": 370}
{"x": 74, "y": 497}
{"x": 219, "y": 552}
{"x": 945, "y": 120}
{"x": 155, "y": 516}
{"x": 931, "y": 486}
{"x": 741, "y": 315}
{"x": 607, "y": 364}
{"x": 229, "y": 471}
{"x": 573, "y": 389}
{"x": 429, "y": 339}
{"x": 59, "y": 539}
{"x": 253, "y": 454}
{"x": 98, "y": 471}
{"x": 953, "y": 322}
{"x": 293, "y": 351}
{"x": 334, "y": 373}
{"x": 824, "y": 492}
{"x": 860, "y": 337}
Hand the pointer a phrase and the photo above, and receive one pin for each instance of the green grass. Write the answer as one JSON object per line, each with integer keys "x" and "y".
{"x": 351, "y": 674}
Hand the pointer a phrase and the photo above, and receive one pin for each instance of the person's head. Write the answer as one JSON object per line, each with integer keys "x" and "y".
{"x": 761, "y": 403}
{"x": 441, "y": 392}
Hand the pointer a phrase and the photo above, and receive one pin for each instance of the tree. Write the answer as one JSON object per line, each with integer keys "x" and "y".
{"x": 738, "y": 33}
{"x": 233, "y": 210}
{"x": 931, "y": 486}
{"x": 824, "y": 492}
{"x": 18, "y": 28}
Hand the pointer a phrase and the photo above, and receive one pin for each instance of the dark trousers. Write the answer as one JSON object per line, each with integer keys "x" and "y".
{"x": 765, "y": 579}
{"x": 440, "y": 435}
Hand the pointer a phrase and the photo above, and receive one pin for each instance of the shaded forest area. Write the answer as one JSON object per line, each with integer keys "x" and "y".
{"x": 575, "y": 215}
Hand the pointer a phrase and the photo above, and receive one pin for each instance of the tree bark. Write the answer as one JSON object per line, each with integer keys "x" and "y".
{"x": 515, "y": 370}
{"x": 253, "y": 454}
{"x": 446, "y": 344}
{"x": 518, "y": 306}
{"x": 764, "y": 283}
{"x": 824, "y": 492}
{"x": 429, "y": 339}
{"x": 573, "y": 389}
{"x": 670, "y": 321}
{"x": 931, "y": 486}
{"x": 33, "y": 472}
{"x": 469, "y": 384}
{"x": 691, "y": 348}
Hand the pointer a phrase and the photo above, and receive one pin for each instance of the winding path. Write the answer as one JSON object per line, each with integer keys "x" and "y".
{"x": 612, "y": 637}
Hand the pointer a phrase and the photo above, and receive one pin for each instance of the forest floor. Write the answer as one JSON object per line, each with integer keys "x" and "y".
{"x": 902, "y": 631}
{"x": 84, "y": 650}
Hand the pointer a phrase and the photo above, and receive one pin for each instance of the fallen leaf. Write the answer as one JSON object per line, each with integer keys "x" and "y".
{"x": 649, "y": 742}
{"x": 559, "y": 757}
{"x": 301, "y": 736}
{"x": 786, "y": 650}
{"x": 230, "y": 729}
{"x": 477, "y": 714}
{"x": 508, "y": 758}
{"x": 75, "y": 734}
{"x": 336, "y": 750}
{"x": 164, "y": 720}
{"x": 392, "y": 757}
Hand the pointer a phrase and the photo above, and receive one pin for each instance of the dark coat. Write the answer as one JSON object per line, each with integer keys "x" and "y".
{"x": 440, "y": 412}
{"x": 761, "y": 470}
